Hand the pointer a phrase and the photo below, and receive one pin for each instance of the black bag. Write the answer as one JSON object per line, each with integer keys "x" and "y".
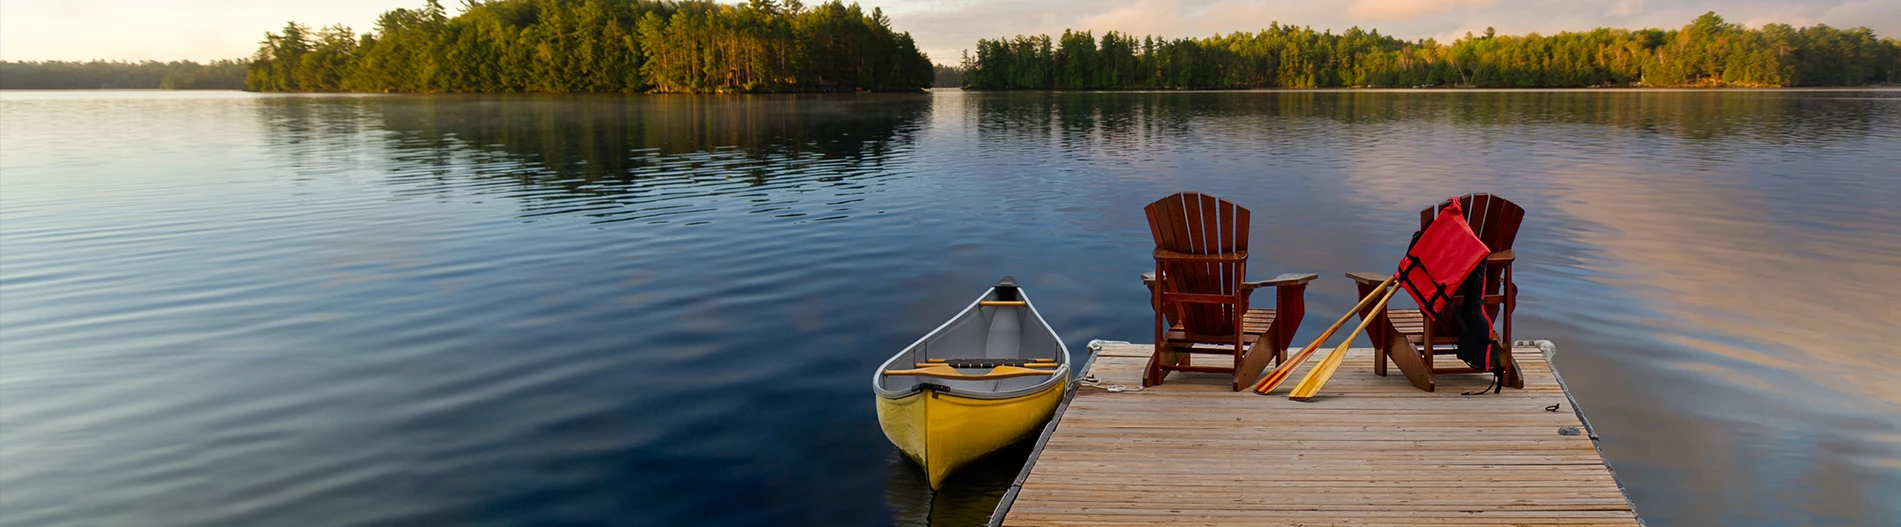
{"x": 1475, "y": 331}
{"x": 1476, "y": 346}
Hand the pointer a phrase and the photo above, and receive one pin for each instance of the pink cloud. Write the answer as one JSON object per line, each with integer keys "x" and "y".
{"x": 1390, "y": 9}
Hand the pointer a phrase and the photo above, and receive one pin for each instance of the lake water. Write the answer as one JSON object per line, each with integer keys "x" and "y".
{"x": 240, "y": 309}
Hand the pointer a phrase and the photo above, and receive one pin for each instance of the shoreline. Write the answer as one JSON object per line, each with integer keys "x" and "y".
{"x": 1876, "y": 87}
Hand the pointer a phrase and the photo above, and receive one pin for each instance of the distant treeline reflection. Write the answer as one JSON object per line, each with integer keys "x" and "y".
{"x": 1136, "y": 121}
{"x": 100, "y": 74}
{"x": 1707, "y": 52}
{"x": 560, "y": 46}
{"x": 608, "y": 145}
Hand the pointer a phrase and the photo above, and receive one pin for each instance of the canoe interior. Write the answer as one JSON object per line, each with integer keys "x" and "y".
{"x": 981, "y": 332}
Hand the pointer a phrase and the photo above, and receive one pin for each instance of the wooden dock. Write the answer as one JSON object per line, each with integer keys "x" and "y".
{"x": 1368, "y": 450}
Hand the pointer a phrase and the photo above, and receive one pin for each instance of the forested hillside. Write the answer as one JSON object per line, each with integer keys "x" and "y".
{"x": 567, "y": 46}
{"x": 1707, "y": 52}
{"x": 71, "y": 75}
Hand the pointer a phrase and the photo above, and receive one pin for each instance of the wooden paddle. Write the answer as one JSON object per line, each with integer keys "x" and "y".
{"x": 1286, "y": 369}
{"x": 1311, "y": 384}
{"x": 1000, "y": 372}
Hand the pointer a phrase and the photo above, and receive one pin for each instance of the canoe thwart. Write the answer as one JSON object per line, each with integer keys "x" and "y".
{"x": 945, "y": 371}
{"x": 1003, "y": 303}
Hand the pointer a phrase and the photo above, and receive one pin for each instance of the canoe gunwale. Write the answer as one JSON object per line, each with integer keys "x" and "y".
{"x": 1060, "y": 375}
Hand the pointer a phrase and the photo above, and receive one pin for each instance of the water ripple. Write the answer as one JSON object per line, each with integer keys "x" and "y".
{"x": 309, "y": 310}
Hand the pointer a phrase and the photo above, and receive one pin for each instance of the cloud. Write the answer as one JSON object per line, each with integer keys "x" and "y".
{"x": 1390, "y": 9}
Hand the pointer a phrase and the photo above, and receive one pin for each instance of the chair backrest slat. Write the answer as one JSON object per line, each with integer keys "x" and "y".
{"x": 1494, "y": 219}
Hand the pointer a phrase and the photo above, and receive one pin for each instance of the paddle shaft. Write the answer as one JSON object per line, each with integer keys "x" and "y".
{"x": 1318, "y": 377}
{"x": 1286, "y": 369}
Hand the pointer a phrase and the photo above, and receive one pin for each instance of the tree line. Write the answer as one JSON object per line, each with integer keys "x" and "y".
{"x": 569, "y": 46}
{"x": 1707, "y": 52}
{"x": 71, "y": 75}
{"x": 948, "y": 76}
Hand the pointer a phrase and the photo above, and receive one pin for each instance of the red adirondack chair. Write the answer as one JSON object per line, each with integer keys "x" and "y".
{"x": 1403, "y": 334}
{"x": 1201, "y": 296}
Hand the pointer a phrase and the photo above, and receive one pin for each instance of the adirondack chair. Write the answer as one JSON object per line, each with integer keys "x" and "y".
{"x": 1402, "y": 335}
{"x": 1201, "y": 297}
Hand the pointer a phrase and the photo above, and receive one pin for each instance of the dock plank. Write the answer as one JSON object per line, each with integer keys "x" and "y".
{"x": 1366, "y": 451}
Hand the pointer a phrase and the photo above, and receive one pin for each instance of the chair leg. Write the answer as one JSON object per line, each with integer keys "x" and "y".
{"x": 1154, "y": 373}
{"x": 1240, "y": 363}
{"x": 1375, "y": 332}
{"x": 1513, "y": 377}
{"x": 1411, "y": 361}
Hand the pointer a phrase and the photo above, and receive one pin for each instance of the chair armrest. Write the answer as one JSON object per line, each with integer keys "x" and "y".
{"x": 1501, "y": 257}
{"x": 1285, "y": 279}
{"x": 1369, "y": 278}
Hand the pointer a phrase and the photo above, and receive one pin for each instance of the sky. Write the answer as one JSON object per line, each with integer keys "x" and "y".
{"x": 215, "y": 29}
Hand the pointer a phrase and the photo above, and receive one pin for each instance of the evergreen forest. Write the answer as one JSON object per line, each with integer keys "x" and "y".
{"x": 570, "y": 46}
{"x": 1708, "y": 52}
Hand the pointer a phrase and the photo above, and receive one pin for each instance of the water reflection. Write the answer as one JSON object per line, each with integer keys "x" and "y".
{"x": 1134, "y": 118}
{"x": 506, "y": 310}
{"x": 613, "y": 158}
{"x": 967, "y": 498}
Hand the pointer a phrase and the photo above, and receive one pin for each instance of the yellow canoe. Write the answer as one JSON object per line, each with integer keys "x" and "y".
{"x": 987, "y": 378}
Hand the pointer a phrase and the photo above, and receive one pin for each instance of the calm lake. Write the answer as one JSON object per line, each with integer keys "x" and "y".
{"x": 241, "y": 309}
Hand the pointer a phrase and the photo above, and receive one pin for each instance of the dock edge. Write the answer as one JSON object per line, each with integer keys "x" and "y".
{"x": 1043, "y": 438}
{"x": 1550, "y": 350}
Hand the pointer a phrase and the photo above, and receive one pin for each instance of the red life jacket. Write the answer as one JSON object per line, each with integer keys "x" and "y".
{"x": 1441, "y": 257}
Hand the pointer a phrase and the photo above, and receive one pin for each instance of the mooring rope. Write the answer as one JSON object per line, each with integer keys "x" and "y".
{"x": 1091, "y": 381}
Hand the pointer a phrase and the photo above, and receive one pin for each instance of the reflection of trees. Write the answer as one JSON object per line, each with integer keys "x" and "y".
{"x": 1116, "y": 118}
{"x": 604, "y": 146}
{"x": 967, "y": 498}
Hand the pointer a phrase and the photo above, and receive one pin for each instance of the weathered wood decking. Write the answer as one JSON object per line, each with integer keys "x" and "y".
{"x": 1368, "y": 450}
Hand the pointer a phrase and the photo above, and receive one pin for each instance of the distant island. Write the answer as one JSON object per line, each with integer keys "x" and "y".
{"x": 688, "y": 46}
{"x": 1709, "y": 52}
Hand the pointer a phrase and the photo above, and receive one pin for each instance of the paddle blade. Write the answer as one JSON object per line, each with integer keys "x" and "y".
{"x": 1320, "y": 374}
{"x": 1282, "y": 372}
{"x": 1286, "y": 369}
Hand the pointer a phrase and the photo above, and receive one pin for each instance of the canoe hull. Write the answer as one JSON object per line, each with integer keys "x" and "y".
{"x": 943, "y": 431}
{"x": 989, "y": 376}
